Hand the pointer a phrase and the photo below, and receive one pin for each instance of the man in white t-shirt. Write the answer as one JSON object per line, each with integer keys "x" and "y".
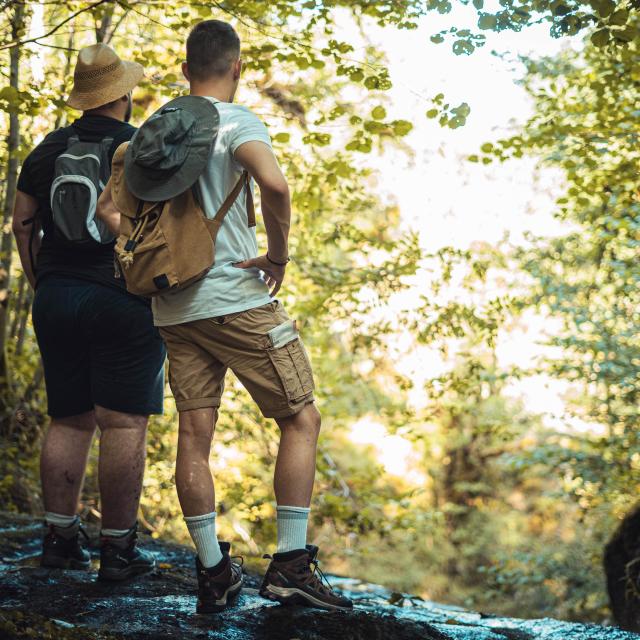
{"x": 230, "y": 320}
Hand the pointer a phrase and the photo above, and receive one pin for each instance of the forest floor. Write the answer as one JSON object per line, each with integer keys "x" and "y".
{"x": 71, "y": 605}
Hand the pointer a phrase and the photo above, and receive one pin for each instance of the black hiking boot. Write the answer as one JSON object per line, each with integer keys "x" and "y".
{"x": 290, "y": 579}
{"x": 218, "y": 586}
{"x": 120, "y": 558}
{"x": 61, "y": 548}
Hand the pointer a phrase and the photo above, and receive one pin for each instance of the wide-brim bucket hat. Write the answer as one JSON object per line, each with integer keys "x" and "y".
{"x": 170, "y": 150}
{"x": 101, "y": 77}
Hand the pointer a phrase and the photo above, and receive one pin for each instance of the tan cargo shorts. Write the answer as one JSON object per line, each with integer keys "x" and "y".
{"x": 261, "y": 346}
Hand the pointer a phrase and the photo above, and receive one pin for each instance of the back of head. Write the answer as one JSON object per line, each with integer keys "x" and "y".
{"x": 212, "y": 48}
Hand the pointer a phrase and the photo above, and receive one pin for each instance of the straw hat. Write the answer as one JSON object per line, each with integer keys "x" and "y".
{"x": 101, "y": 77}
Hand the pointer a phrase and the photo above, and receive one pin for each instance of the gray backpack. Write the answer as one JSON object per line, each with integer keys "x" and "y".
{"x": 80, "y": 175}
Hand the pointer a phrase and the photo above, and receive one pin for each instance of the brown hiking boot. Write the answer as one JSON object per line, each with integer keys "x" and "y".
{"x": 61, "y": 548}
{"x": 218, "y": 586}
{"x": 291, "y": 580}
{"x": 121, "y": 558}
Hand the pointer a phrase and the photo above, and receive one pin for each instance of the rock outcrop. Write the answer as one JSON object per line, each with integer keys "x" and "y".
{"x": 71, "y": 605}
{"x": 622, "y": 566}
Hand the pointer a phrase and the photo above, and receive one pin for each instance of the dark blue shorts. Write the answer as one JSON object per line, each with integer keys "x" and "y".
{"x": 99, "y": 347}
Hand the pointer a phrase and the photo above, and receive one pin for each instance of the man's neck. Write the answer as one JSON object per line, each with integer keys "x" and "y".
{"x": 218, "y": 90}
{"x": 107, "y": 113}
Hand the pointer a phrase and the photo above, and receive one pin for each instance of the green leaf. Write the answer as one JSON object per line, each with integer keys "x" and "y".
{"x": 401, "y": 127}
{"x": 619, "y": 18}
{"x": 10, "y": 94}
{"x": 605, "y": 8}
{"x": 283, "y": 136}
{"x": 560, "y": 8}
{"x": 487, "y": 147}
{"x": 487, "y": 22}
{"x": 626, "y": 35}
{"x": 371, "y": 82}
{"x": 600, "y": 38}
{"x": 463, "y": 47}
{"x": 437, "y": 39}
{"x": 432, "y": 113}
{"x": 462, "y": 110}
{"x": 379, "y": 113}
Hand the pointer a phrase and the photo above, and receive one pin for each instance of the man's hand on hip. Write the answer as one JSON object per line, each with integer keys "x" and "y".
{"x": 274, "y": 273}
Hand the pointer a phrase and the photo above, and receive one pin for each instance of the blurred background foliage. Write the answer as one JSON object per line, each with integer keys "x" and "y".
{"x": 486, "y": 505}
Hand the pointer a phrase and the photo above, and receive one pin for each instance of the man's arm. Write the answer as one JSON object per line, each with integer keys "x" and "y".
{"x": 258, "y": 159}
{"x": 24, "y": 211}
{"x": 106, "y": 210}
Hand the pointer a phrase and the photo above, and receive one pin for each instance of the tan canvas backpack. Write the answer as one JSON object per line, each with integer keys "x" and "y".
{"x": 165, "y": 246}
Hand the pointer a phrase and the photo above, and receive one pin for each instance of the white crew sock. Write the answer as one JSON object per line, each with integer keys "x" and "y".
{"x": 203, "y": 533}
{"x": 65, "y": 526}
{"x": 58, "y": 520}
{"x": 114, "y": 533}
{"x": 292, "y": 528}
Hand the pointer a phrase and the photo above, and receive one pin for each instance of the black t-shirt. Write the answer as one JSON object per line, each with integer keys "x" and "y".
{"x": 94, "y": 261}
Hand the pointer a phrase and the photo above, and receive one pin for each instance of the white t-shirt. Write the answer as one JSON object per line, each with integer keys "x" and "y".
{"x": 225, "y": 289}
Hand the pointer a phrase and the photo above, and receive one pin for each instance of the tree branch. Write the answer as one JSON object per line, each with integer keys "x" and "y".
{"x": 18, "y": 43}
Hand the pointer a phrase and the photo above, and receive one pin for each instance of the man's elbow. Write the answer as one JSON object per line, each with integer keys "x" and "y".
{"x": 275, "y": 188}
{"x": 101, "y": 214}
{"x": 21, "y": 228}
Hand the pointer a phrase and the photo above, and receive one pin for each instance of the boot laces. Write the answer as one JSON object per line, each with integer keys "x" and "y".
{"x": 316, "y": 578}
{"x": 237, "y": 562}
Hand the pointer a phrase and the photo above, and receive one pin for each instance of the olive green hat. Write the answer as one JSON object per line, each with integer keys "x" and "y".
{"x": 170, "y": 150}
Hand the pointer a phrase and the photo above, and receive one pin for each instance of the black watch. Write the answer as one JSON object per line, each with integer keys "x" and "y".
{"x": 280, "y": 264}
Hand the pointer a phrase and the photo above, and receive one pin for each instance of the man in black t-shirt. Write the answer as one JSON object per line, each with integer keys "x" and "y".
{"x": 103, "y": 359}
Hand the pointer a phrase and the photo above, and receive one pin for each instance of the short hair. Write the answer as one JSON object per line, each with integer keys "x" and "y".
{"x": 212, "y": 46}
{"x": 106, "y": 105}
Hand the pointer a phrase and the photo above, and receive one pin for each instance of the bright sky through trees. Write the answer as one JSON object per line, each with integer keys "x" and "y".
{"x": 453, "y": 202}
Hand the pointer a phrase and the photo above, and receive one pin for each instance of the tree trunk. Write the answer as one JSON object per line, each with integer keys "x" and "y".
{"x": 6, "y": 243}
{"x": 102, "y": 30}
{"x": 61, "y": 117}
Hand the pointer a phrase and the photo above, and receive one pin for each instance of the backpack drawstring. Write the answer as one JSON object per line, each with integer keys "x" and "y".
{"x": 126, "y": 255}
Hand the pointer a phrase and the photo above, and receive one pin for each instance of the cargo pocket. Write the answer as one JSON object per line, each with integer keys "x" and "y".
{"x": 293, "y": 368}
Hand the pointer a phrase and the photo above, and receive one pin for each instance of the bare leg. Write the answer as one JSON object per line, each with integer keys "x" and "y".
{"x": 121, "y": 466}
{"x": 296, "y": 461}
{"x": 194, "y": 481}
{"x": 63, "y": 461}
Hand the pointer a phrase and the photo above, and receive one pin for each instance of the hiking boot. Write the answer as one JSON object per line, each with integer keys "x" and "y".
{"x": 290, "y": 579}
{"x": 120, "y": 557}
{"x": 61, "y": 548}
{"x": 218, "y": 586}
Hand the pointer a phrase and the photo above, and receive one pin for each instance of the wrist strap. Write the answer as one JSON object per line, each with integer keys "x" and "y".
{"x": 280, "y": 264}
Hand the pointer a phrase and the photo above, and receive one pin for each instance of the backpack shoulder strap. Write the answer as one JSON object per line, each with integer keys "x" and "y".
{"x": 231, "y": 198}
{"x": 74, "y": 139}
{"x": 105, "y": 145}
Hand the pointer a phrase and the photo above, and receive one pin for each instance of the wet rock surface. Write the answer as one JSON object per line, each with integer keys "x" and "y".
{"x": 54, "y": 604}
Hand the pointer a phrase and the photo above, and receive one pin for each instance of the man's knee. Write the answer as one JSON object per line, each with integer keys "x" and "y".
{"x": 197, "y": 423}
{"x": 109, "y": 419}
{"x": 81, "y": 422}
{"x": 307, "y": 420}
